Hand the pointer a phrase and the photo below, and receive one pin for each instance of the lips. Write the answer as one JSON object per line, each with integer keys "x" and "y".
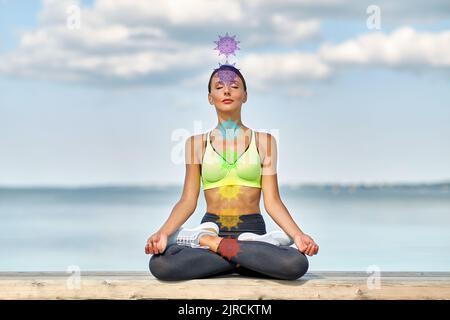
{"x": 227, "y": 101}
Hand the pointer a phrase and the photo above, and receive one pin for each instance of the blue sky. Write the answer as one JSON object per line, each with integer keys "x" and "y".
{"x": 99, "y": 105}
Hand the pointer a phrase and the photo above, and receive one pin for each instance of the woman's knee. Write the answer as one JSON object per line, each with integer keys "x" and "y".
{"x": 167, "y": 267}
{"x": 164, "y": 268}
{"x": 294, "y": 266}
{"x": 159, "y": 267}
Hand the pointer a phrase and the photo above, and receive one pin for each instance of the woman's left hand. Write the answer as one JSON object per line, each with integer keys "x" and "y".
{"x": 306, "y": 244}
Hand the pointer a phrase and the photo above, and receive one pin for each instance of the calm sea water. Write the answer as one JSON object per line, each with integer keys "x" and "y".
{"x": 401, "y": 228}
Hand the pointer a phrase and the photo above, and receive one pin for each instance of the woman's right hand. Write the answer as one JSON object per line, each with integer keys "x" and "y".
{"x": 157, "y": 243}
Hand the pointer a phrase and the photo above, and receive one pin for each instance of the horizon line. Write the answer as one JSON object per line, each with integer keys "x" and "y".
{"x": 173, "y": 184}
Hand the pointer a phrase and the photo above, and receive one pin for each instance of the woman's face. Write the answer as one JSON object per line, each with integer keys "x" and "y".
{"x": 227, "y": 96}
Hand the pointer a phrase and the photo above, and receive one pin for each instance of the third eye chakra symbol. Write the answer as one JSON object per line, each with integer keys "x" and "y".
{"x": 227, "y": 45}
{"x": 227, "y": 76}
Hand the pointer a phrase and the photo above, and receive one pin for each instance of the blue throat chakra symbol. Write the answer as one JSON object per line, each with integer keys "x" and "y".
{"x": 227, "y": 45}
{"x": 229, "y": 129}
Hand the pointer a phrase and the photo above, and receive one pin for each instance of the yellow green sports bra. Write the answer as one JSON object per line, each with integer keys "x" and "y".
{"x": 244, "y": 171}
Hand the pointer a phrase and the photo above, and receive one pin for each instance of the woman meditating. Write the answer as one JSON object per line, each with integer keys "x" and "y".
{"x": 234, "y": 164}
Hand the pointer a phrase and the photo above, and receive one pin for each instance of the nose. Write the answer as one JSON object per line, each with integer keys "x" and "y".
{"x": 226, "y": 90}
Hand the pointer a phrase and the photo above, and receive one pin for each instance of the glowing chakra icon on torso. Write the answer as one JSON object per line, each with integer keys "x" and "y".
{"x": 229, "y": 222}
{"x": 227, "y": 45}
{"x": 229, "y": 248}
{"x": 230, "y": 160}
{"x": 229, "y": 192}
{"x": 229, "y": 129}
{"x": 229, "y": 218}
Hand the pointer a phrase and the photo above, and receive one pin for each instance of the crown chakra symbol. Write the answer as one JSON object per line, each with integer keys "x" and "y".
{"x": 227, "y": 45}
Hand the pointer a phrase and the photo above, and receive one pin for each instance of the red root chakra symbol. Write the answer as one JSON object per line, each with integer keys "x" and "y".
{"x": 229, "y": 248}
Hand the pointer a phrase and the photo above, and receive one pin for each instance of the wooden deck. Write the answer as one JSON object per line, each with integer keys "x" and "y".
{"x": 142, "y": 285}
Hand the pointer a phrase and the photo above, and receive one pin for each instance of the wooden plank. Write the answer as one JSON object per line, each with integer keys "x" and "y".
{"x": 142, "y": 285}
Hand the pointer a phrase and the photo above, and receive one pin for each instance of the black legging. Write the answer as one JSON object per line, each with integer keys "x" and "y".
{"x": 249, "y": 258}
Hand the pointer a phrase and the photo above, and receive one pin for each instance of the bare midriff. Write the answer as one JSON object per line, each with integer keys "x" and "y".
{"x": 233, "y": 200}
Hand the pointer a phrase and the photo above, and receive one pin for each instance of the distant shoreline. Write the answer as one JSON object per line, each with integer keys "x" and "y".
{"x": 443, "y": 185}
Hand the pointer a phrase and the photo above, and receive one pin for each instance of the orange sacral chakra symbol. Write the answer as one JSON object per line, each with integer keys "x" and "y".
{"x": 229, "y": 218}
{"x": 229, "y": 221}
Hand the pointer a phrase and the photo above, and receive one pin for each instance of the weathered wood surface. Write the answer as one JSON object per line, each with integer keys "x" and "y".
{"x": 142, "y": 285}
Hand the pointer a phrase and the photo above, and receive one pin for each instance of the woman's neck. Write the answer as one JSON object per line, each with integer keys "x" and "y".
{"x": 230, "y": 124}
{"x": 230, "y": 129}
{"x": 228, "y": 117}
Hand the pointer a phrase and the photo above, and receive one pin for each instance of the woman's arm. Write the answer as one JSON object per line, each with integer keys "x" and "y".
{"x": 272, "y": 200}
{"x": 185, "y": 207}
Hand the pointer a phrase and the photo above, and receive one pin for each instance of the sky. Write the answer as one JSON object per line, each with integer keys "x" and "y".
{"x": 105, "y": 92}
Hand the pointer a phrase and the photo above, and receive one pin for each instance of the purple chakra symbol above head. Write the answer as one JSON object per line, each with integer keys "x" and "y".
{"x": 227, "y": 45}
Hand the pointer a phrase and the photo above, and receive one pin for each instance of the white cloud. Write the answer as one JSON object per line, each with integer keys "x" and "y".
{"x": 286, "y": 73}
{"x": 398, "y": 12}
{"x": 145, "y": 11}
{"x": 284, "y": 67}
{"x": 404, "y": 47}
{"x": 129, "y": 42}
{"x": 291, "y": 31}
{"x": 172, "y": 11}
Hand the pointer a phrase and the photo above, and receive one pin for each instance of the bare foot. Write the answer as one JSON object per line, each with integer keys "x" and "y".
{"x": 211, "y": 241}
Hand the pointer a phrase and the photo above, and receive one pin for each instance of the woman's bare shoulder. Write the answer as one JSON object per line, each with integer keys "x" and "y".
{"x": 196, "y": 145}
{"x": 265, "y": 142}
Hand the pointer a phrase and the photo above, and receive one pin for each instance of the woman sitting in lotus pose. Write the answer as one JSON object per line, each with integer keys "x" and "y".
{"x": 234, "y": 164}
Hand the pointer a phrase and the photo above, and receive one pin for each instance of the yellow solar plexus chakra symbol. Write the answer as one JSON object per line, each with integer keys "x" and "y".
{"x": 229, "y": 192}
